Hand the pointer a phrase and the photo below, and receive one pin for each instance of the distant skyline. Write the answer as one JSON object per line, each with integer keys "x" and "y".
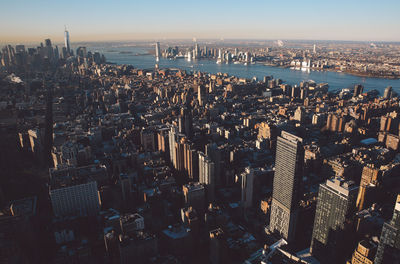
{"x": 32, "y": 21}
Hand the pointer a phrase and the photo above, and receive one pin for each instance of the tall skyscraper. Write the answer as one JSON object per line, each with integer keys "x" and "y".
{"x": 207, "y": 175}
{"x": 202, "y": 95}
{"x": 194, "y": 195}
{"x": 172, "y": 138}
{"x": 214, "y": 153}
{"x": 66, "y": 40}
{"x": 358, "y": 89}
{"x": 218, "y": 246}
{"x": 196, "y": 52}
{"x": 247, "y": 187}
{"x": 388, "y": 92}
{"x": 287, "y": 185}
{"x": 191, "y": 160}
{"x": 185, "y": 121}
{"x": 158, "y": 53}
{"x": 335, "y": 207}
{"x": 389, "y": 244}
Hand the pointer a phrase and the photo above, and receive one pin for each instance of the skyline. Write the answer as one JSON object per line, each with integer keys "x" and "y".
{"x": 133, "y": 21}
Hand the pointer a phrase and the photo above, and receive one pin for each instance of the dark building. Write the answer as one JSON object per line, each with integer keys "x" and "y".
{"x": 335, "y": 207}
{"x": 358, "y": 89}
{"x": 388, "y": 92}
{"x": 286, "y": 189}
{"x": 218, "y": 246}
{"x": 389, "y": 244}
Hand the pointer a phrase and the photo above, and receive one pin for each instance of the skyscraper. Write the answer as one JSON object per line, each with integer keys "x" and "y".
{"x": 388, "y": 92}
{"x": 158, "y": 51}
{"x": 335, "y": 207}
{"x": 389, "y": 244}
{"x": 66, "y": 40}
{"x": 185, "y": 121}
{"x": 207, "y": 175}
{"x": 247, "y": 187}
{"x": 286, "y": 189}
{"x": 172, "y": 138}
{"x": 358, "y": 89}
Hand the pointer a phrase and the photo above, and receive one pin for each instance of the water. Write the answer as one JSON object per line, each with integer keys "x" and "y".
{"x": 139, "y": 58}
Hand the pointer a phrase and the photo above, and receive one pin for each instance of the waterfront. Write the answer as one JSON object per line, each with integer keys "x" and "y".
{"x": 138, "y": 57}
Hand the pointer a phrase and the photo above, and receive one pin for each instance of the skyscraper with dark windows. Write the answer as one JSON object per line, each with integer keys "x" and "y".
{"x": 331, "y": 237}
{"x": 185, "y": 122}
{"x": 389, "y": 244}
{"x": 287, "y": 185}
{"x": 358, "y": 89}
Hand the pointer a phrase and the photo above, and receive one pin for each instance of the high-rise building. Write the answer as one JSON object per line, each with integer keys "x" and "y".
{"x": 191, "y": 161}
{"x": 214, "y": 153}
{"x": 66, "y": 41}
{"x": 218, "y": 246}
{"x": 47, "y": 42}
{"x": 299, "y": 114}
{"x": 364, "y": 253}
{"x": 369, "y": 180}
{"x": 335, "y": 207}
{"x": 358, "y": 89}
{"x": 287, "y": 185}
{"x": 196, "y": 52}
{"x": 247, "y": 187}
{"x": 202, "y": 95}
{"x": 388, "y": 92}
{"x": 207, "y": 175}
{"x": 194, "y": 195}
{"x": 158, "y": 53}
{"x": 389, "y": 244}
{"x": 185, "y": 122}
{"x": 172, "y": 138}
{"x": 73, "y": 192}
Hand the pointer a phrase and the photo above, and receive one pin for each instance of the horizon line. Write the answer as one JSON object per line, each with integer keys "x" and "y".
{"x": 188, "y": 39}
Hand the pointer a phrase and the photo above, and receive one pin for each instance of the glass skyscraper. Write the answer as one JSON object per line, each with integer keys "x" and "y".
{"x": 335, "y": 207}
{"x": 389, "y": 244}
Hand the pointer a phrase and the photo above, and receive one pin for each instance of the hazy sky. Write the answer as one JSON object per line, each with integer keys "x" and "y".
{"x": 88, "y": 20}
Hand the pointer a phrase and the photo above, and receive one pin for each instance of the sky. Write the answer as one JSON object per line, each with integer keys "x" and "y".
{"x": 24, "y": 21}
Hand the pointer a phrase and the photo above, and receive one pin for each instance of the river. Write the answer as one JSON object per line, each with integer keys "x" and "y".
{"x": 139, "y": 58}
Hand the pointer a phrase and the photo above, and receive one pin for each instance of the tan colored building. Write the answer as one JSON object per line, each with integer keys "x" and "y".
{"x": 364, "y": 253}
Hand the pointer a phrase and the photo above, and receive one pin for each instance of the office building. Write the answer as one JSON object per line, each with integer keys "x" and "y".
{"x": 131, "y": 223}
{"x": 287, "y": 185}
{"x": 388, "y": 92}
{"x": 247, "y": 187}
{"x": 364, "y": 253}
{"x": 194, "y": 195}
{"x": 358, "y": 89}
{"x": 218, "y": 246}
{"x": 66, "y": 41}
{"x": 207, "y": 175}
{"x": 185, "y": 122}
{"x": 191, "y": 161}
{"x": 335, "y": 208}
{"x": 73, "y": 192}
{"x": 158, "y": 52}
{"x": 389, "y": 245}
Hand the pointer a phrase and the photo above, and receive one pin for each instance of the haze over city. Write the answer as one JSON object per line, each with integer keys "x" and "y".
{"x": 28, "y": 21}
